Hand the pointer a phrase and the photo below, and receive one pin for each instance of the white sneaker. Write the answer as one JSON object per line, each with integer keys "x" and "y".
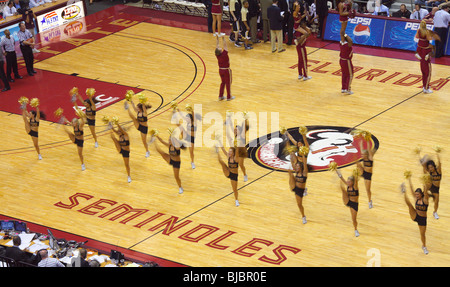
{"x": 245, "y": 178}
{"x": 236, "y": 203}
{"x": 83, "y": 167}
{"x": 39, "y": 156}
{"x": 403, "y": 188}
{"x": 96, "y": 144}
{"x": 180, "y": 190}
{"x": 221, "y": 34}
{"x": 370, "y": 204}
{"x": 147, "y": 154}
{"x": 343, "y": 91}
{"x": 125, "y": 105}
{"x": 307, "y": 78}
{"x": 215, "y": 34}
{"x": 435, "y": 215}
{"x": 304, "y": 219}
{"x": 193, "y": 165}
{"x": 129, "y": 179}
{"x": 221, "y": 98}
{"x": 300, "y": 77}
{"x": 305, "y": 193}
{"x": 349, "y": 92}
{"x": 427, "y": 91}
{"x": 425, "y": 250}
{"x": 232, "y": 98}
{"x": 356, "y": 233}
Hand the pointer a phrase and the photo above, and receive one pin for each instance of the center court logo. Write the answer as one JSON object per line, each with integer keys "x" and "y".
{"x": 326, "y": 144}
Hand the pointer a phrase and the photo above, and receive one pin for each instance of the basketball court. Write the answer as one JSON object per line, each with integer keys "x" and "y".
{"x": 126, "y": 48}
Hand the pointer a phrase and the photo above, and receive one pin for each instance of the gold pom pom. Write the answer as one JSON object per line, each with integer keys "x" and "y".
{"x": 142, "y": 98}
{"x": 129, "y": 95}
{"x": 366, "y": 135}
{"x": 59, "y": 112}
{"x": 437, "y": 149}
{"x": 417, "y": 150}
{"x": 303, "y": 150}
{"x": 170, "y": 130}
{"x": 426, "y": 179}
{"x": 173, "y": 105}
{"x": 283, "y": 130}
{"x": 23, "y": 100}
{"x": 115, "y": 120}
{"x": 90, "y": 92}
{"x": 189, "y": 108}
{"x": 407, "y": 174}
{"x": 34, "y": 102}
{"x": 332, "y": 166}
{"x": 105, "y": 120}
{"x": 361, "y": 133}
{"x": 290, "y": 149}
{"x": 154, "y": 132}
{"x": 79, "y": 113}
{"x": 73, "y": 91}
{"x": 303, "y": 130}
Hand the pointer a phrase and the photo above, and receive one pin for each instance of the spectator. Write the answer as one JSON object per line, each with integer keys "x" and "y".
{"x": 9, "y": 10}
{"x": 26, "y": 47}
{"x": 245, "y": 28}
{"x": 429, "y": 3}
{"x": 380, "y": 9}
{"x": 430, "y": 16}
{"x": 313, "y": 18}
{"x": 16, "y": 253}
{"x": 48, "y": 261}
{"x": 253, "y": 14}
{"x": 275, "y": 15}
{"x": 29, "y": 17}
{"x": 235, "y": 17}
{"x": 441, "y": 21}
{"x": 402, "y": 13}
{"x": 94, "y": 263}
{"x": 80, "y": 261}
{"x": 18, "y": 5}
{"x": 322, "y": 12}
{"x": 419, "y": 13}
{"x": 9, "y": 50}
{"x": 35, "y": 3}
{"x": 265, "y": 20}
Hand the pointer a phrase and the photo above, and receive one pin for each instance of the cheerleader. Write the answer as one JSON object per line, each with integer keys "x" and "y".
{"x": 31, "y": 120}
{"x": 173, "y": 157}
{"x": 434, "y": 170}
{"x": 77, "y": 137}
{"x": 140, "y": 121}
{"x": 216, "y": 11}
{"x": 344, "y": 11}
{"x": 90, "y": 111}
{"x": 230, "y": 170}
{"x": 366, "y": 168}
{"x": 302, "y": 32}
{"x": 424, "y": 50}
{"x": 297, "y": 182}
{"x": 345, "y": 61}
{"x": 122, "y": 145}
{"x": 240, "y": 138}
{"x": 350, "y": 196}
{"x": 418, "y": 213}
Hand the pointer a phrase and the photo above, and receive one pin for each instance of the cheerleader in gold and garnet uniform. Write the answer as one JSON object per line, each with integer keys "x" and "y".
{"x": 122, "y": 145}
{"x": 77, "y": 136}
{"x": 90, "y": 111}
{"x": 230, "y": 169}
{"x": 350, "y": 196}
{"x": 140, "y": 121}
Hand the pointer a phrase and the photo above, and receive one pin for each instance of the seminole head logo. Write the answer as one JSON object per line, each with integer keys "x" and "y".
{"x": 326, "y": 144}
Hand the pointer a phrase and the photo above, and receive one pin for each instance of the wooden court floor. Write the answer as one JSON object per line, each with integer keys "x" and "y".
{"x": 202, "y": 227}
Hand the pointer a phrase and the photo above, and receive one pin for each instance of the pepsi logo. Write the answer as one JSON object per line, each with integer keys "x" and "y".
{"x": 361, "y": 33}
{"x": 360, "y": 20}
{"x": 326, "y": 144}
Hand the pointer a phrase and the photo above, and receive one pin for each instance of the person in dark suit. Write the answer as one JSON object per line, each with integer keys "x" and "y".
{"x": 16, "y": 253}
{"x": 322, "y": 12}
{"x": 275, "y": 15}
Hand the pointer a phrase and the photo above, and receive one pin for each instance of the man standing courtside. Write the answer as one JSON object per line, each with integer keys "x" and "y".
{"x": 26, "y": 41}
{"x": 9, "y": 50}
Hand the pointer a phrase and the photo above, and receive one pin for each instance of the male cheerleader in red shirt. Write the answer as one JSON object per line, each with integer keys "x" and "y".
{"x": 224, "y": 69}
{"x": 345, "y": 61}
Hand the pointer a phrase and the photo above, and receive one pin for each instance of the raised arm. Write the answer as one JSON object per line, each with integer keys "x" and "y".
{"x": 162, "y": 141}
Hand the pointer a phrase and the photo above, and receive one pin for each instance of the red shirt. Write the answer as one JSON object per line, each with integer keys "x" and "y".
{"x": 224, "y": 61}
{"x": 346, "y": 51}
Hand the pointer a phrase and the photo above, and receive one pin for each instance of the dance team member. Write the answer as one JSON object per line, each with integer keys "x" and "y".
{"x": 140, "y": 120}
{"x": 191, "y": 128}
{"x": 350, "y": 196}
{"x": 90, "y": 110}
{"x": 31, "y": 120}
{"x": 366, "y": 168}
{"x": 77, "y": 137}
{"x": 216, "y": 11}
{"x": 297, "y": 181}
{"x": 122, "y": 144}
{"x": 345, "y": 11}
{"x": 418, "y": 213}
{"x": 435, "y": 171}
{"x": 230, "y": 170}
{"x": 173, "y": 157}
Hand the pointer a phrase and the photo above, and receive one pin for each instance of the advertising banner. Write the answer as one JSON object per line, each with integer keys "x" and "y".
{"x": 60, "y": 16}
